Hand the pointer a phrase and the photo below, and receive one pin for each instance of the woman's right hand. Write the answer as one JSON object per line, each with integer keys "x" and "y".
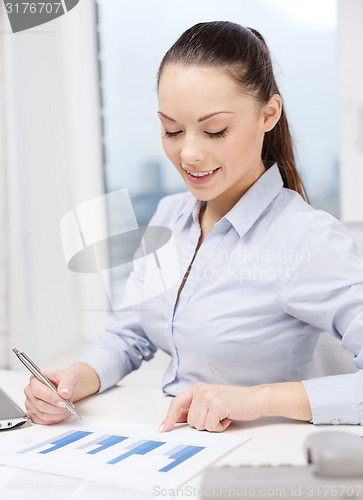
{"x": 45, "y": 406}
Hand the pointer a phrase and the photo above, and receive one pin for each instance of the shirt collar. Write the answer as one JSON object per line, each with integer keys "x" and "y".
{"x": 191, "y": 205}
{"x": 251, "y": 205}
{"x": 249, "y": 208}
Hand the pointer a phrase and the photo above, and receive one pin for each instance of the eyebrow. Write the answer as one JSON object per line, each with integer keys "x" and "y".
{"x": 206, "y": 117}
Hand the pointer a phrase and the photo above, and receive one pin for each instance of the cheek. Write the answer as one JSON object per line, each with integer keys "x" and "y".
{"x": 247, "y": 142}
{"x": 171, "y": 150}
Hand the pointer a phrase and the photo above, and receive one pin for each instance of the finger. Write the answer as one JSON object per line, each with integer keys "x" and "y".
{"x": 46, "y": 419}
{"x": 178, "y": 410}
{"x": 39, "y": 398}
{"x": 66, "y": 382}
{"x": 41, "y": 412}
{"x": 183, "y": 417}
{"x": 32, "y": 403}
{"x": 198, "y": 412}
{"x": 41, "y": 392}
{"x": 214, "y": 423}
{"x": 44, "y": 407}
{"x": 223, "y": 424}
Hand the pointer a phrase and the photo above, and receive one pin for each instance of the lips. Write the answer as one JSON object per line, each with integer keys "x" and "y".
{"x": 200, "y": 176}
{"x": 199, "y": 173}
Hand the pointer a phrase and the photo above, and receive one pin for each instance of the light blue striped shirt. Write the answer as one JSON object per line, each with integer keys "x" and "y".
{"x": 271, "y": 275}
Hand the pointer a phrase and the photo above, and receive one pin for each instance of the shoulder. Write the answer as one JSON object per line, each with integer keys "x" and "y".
{"x": 306, "y": 225}
{"x": 297, "y": 214}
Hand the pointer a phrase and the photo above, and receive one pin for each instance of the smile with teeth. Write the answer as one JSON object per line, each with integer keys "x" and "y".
{"x": 200, "y": 174}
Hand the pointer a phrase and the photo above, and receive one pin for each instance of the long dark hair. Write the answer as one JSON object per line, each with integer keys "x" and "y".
{"x": 244, "y": 55}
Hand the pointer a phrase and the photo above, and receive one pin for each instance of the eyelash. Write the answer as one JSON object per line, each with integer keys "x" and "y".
{"x": 212, "y": 135}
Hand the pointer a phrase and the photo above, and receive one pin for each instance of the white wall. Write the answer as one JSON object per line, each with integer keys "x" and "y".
{"x": 350, "y": 65}
{"x": 4, "y": 326}
{"x": 52, "y": 162}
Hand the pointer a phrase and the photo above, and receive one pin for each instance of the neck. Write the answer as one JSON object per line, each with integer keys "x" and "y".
{"x": 217, "y": 208}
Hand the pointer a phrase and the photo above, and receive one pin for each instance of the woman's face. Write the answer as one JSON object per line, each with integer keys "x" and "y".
{"x": 211, "y": 132}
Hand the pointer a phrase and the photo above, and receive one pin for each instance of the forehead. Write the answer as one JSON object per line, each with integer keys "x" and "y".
{"x": 180, "y": 83}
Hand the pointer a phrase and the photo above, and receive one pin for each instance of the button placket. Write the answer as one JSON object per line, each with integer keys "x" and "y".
{"x": 205, "y": 252}
{"x": 185, "y": 259}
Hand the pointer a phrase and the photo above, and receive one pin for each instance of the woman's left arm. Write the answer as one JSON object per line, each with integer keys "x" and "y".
{"x": 213, "y": 407}
{"x": 326, "y": 291}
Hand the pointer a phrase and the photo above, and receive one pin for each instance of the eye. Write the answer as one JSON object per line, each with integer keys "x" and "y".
{"x": 171, "y": 134}
{"x": 217, "y": 135}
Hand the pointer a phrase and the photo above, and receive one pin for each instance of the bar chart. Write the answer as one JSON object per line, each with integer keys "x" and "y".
{"x": 124, "y": 454}
{"x": 178, "y": 455}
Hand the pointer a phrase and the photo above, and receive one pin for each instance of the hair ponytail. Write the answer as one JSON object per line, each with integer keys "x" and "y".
{"x": 278, "y": 146}
{"x": 244, "y": 54}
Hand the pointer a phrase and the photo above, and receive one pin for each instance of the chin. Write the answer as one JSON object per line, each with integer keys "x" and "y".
{"x": 202, "y": 196}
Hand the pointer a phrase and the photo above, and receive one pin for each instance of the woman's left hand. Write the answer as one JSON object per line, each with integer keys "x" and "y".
{"x": 213, "y": 407}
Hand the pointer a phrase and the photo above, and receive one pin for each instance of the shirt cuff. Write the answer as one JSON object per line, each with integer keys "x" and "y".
{"x": 104, "y": 365}
{"x": 333, "y": 400}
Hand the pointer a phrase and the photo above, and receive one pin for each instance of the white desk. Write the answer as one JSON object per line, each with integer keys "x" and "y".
{"x": 274, "y": 440}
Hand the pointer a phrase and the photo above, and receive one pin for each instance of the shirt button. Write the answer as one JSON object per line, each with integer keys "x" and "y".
{"x": 334, "y": 421}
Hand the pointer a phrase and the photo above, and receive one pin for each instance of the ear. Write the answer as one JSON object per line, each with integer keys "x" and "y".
{"x": 272, "y": 112}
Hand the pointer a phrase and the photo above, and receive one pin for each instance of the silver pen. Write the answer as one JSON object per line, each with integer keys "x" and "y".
{"x": 32, "y": 367}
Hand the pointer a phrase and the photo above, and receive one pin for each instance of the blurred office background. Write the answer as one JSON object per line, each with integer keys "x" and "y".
{"x": 78, "y": 119}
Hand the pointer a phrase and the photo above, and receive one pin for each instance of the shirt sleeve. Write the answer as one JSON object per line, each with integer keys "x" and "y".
{"x": 323, "y": 286}
{"x": 124, "y": 345}
{"x": 120, "y": 350}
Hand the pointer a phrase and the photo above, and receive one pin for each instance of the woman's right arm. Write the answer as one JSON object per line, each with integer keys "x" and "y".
{"x": 117, "y": 352}
{"x": 45, "y": 406}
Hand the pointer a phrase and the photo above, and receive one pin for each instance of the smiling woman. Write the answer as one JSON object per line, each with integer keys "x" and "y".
{"x": 262, "y": 272}
{"x": 234, "y": 125}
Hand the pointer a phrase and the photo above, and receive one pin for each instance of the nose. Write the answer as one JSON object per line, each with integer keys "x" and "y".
{"x": 192, "y": 150}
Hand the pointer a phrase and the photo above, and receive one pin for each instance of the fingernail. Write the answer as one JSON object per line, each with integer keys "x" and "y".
{"x": 161, "y": 428}
{"x": 62, "y": 404}
{"x": 65, "y": 391}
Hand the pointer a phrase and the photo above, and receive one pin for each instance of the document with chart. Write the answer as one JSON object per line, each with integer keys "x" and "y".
{"x": 123, "y": 454}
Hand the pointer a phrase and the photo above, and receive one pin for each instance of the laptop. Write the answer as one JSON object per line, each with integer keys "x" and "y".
{"x": 10, "y": 413}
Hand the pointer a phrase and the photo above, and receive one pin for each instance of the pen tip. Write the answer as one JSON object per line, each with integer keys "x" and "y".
{"x": 15, "y": 350}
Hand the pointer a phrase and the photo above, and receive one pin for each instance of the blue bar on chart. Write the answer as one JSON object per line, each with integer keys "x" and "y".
{"x": 60, "y": 443}
{"x": 181, "y": 454}
{"x": 139, "y": 448}
{"x": 107, "y": 443}
{"x": 43, "y": 443}
{"x": 94, "y": 441}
